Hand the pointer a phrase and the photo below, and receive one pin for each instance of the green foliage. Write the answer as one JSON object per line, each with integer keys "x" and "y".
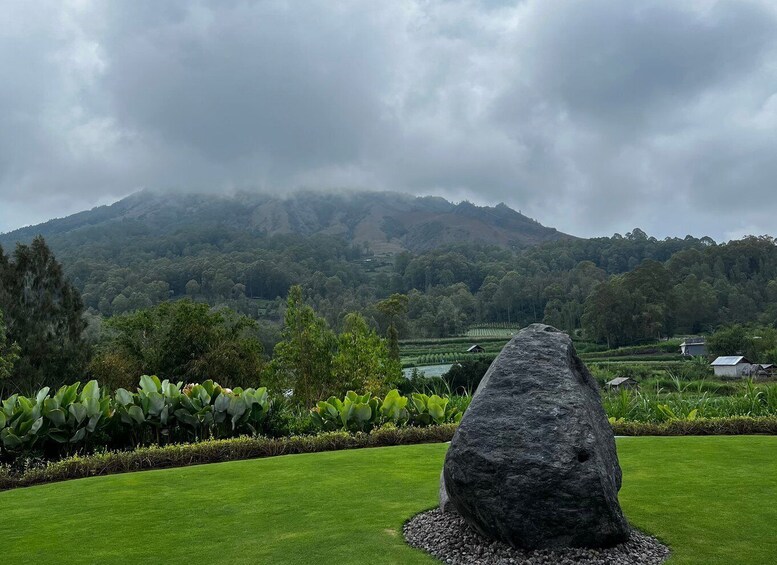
{"x": 9, "y": 352}
{"x": 60, "y": 422}
{"x": 363, "y": 360}
{"x": 757, "y": 343}
{"x": 426, "y": 410}
{"x": 302, "y": 361}
{"x": 353, "y": 413}
{"x": 365, "y": 412}
{"x": 214, "y": 451}
{"x": 182, "y": 341}
{"x": 690, "y": 400}
{"x": 159, "y": 412}
{"x": 466, "y": 375}
{"x": 44, "y": 318}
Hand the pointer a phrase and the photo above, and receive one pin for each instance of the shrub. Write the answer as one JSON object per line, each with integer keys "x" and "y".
{"x": 215, "y": 451}
{"x": 363, "y": 413}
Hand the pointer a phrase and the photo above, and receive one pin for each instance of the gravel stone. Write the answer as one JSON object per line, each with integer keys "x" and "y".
{"x": 447, "y": 537}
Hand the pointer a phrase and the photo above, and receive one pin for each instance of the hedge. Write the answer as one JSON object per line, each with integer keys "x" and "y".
{"x": 215, "y": 451}
{"x": 735, "y": 425}
{"x": 245, "y": 447}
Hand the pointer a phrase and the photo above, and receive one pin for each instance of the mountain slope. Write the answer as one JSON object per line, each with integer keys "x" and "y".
{"x": 387, "y": 222}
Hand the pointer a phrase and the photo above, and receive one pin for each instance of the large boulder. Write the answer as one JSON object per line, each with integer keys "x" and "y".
{"x": 533, "y": 462}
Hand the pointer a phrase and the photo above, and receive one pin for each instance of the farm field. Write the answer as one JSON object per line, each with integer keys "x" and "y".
{"x": 707, "y": 497}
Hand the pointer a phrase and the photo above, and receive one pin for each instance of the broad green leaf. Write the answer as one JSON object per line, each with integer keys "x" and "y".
{"x": 222, "y": 403}
{"x": 124, "y": 397}
{"x": 136, "y": 414}
{"x": 57, "y": 416}
{"x": 91, "y": 390}
{"x": 42, "y": 393}
{"x": 36, "y": 426}
{"x": 10, "y": 441}
{"x": 78, "y": 411}
{"x": 156, "y": 403}
{"x": 92, "y": 407}
{"x": 149, "y": 384}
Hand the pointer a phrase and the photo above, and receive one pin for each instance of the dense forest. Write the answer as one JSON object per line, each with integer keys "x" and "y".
{"x": 617, "y": 290}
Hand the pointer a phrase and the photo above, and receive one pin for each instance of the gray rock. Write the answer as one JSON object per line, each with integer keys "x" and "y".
{"x": 445, "y": 502}
{"x": 533, "y": 462}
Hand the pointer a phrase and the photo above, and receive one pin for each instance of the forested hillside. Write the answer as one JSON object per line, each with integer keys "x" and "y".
{"x": 621, "y": 289}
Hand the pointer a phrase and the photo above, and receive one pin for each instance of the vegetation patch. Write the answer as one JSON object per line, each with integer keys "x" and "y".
{"x": 214, "y": 451}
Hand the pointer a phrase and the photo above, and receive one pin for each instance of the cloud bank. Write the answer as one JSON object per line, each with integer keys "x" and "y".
{"x": 593, "y": 117}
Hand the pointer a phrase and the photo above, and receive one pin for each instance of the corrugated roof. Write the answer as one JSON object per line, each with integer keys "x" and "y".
{"x": 728, "y": 361}
{"x": 694, "y": 341}
{"x": 619, "y": 380}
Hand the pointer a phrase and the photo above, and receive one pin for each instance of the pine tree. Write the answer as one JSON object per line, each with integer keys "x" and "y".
{"x": 44, "y": 316}
{"x": 9, "y": 354}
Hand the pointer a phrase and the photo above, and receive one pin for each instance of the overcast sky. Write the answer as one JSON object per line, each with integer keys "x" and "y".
{"x": 592, "y": 117}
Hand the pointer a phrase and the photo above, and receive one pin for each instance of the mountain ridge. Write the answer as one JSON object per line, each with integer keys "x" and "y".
{"x": 387, "y": 222}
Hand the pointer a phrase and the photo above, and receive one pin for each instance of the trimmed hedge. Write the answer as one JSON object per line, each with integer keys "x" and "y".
{"x": 234, "y": 449}
{"x": 216, "y": 451}
{"x": 736, "y": 425}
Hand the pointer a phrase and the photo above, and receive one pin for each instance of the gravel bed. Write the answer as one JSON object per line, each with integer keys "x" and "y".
{"x": 451, "y": 540}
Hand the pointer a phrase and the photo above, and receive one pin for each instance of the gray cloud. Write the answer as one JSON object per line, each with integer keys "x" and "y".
{"x": 592, "y": 117}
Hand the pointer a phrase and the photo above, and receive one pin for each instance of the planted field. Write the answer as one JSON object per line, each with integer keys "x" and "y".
{"x": 707, "y": 497}
{"x": 492, "y": 332}
{"x": 438, "y": 352}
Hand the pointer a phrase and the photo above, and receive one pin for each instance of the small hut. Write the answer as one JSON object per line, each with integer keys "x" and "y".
{"x": 622, "y": 383}
{"x": 693, "y": 347}
{"x": 732, "y": 366}
{"x": 475, "y": 349}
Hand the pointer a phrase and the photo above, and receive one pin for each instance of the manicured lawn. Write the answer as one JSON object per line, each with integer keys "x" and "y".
{"x": 713, "y": 499}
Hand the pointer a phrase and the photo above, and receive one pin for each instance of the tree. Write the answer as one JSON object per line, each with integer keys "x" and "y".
{"x": 180, "y": 341}
{"x": 44, "y": 316}
{"x": 302, "y": 361}
{"x": 363, "y": 362}
{"x": 9, "y": 353}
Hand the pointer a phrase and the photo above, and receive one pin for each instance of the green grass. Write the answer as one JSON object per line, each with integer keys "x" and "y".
{"x": 713, "y": 499}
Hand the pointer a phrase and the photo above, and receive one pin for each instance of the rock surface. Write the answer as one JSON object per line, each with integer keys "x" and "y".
{"x": 445, "y": 502}
{"x": 533, "y": 462}
{"x": 451, "y": 540}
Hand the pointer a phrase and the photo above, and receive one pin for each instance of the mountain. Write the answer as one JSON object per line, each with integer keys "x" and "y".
{"x": 387, "y": 222}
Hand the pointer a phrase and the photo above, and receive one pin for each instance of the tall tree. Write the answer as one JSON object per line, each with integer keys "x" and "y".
{"x": 9, "y": 354}
{"x": 44, "y": 316}
{"x": 303, "y": 358}
{"x": 363, "y": 362}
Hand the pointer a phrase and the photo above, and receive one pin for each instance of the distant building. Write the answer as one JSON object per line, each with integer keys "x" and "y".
{"x": 732, "y": 366}
{"x": 475, "y": 349}
{"x": 765, "y": 369}
{"x": 693, "y": 347}
{"x": 621, "y": 382}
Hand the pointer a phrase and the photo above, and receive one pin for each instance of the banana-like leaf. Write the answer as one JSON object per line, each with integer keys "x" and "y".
{"x": 57, "y": 417}
{"x": 42, "y": 393}
{"x": 91, "y": 390}
{"x": 124, "y": 397}
{"x": 78, "y": 411}
{"x": 149, "y": 383}
{"x": 136, "y": 414}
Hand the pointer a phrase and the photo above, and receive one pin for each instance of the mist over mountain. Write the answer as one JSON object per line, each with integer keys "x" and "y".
{"x": 386, "y": 222}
